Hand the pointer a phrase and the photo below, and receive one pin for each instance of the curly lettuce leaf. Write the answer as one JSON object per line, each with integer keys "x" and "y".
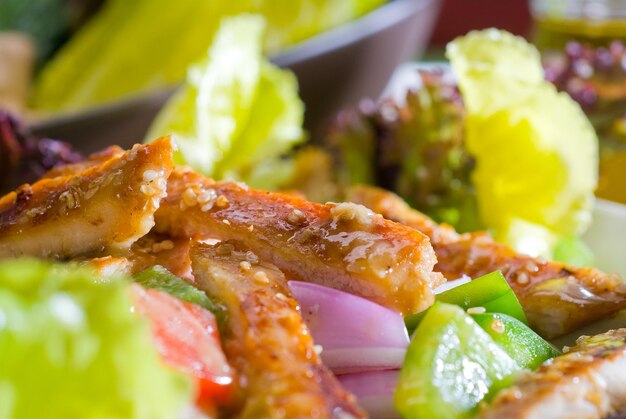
{"x": 536, "y": 153}
{"x": 236, "y": 109}
{"x": 71, "y": 347}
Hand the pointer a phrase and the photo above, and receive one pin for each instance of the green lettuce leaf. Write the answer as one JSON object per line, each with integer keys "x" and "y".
{"x": 71, "y": 347}
{"x": 133, "y": 46}
{"x": 236, "y": 109}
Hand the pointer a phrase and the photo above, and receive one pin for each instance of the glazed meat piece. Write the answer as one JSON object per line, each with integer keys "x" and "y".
{"x": 589, "y": 381}
{"x": 266, "y": 339}
{"x": 155, "y": 249}
{"x": 392, "y": 207}
{"x": 102, "y": 209}
{"x": 557, "y": 298}
{"x": 344, "y": 246}
{"x": 92, "y": 160}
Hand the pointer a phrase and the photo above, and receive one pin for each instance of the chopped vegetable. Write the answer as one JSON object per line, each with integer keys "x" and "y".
{"x": 24, "y": 158}
{"x": 355, "y": 334}
{"x": 159, "y": 39}
{"x": 594, "y": 76}
{"x": 526, "y": 347}
{"x": 536, "y": 153}
{"x": 413, "y": 147}
{"x": 450, "y": 367}
{"x": 159, "y": 278}
{"x": 235, "y": 110}
{"x": 71, "y": 347}
{"x": 186, "y": 337}
{"x": 490, "y": 292}
{"x": 374, "y": 391}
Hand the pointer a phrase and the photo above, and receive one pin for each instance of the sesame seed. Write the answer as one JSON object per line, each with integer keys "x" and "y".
{"x": 295, "y": 217}
{"x": 207, "y": 195}
{"x": 261, "y": 277}
{"x": 251, "y": 257}
{"x": 242, "y": 185}
{"x": 497, "y": 326}
{"x": 189, "y": 197}
{"x": 222, "y": 201}
{"x": 150, "y": 175}
{"x": 347, "y": 211}
{"x": 226, "y": 222}
{"x": 282, "y": 296}
{"x": 161, "y": 184}
{"x": 318, "y": 349}
{"x": 167, "y": 245}
{"x": 531, "y": 267}
{"x": 244, "y": 265}
{"x": 250, "y": 228}
{"x": 146, "y": 190}
{"x": 522, "y": 278}
{"x": 476, "y": 310}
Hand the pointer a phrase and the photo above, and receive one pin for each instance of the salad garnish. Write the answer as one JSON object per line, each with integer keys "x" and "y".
{"x": 236, "y": 111}
{"x": 154, "y": 42}
{"x": 72, "y": 347}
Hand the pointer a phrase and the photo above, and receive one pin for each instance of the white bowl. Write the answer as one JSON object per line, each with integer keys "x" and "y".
{"x": 607, "y": 236}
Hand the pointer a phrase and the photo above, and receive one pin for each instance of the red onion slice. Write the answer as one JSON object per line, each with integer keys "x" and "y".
{"x": 374, "y": 391}
{"x": 345, "y": 361}
{"x": 355, "y": 334}
{"x": 452, "y": 284}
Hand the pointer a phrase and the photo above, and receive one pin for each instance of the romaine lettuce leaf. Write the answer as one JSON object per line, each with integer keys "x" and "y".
{"x": 236, "y": 109}
{"x": 71, "y": 347}
{"x": 133, "y": 46}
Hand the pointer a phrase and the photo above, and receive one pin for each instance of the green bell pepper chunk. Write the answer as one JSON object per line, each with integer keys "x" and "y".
{"x": 159, "y": 278}
{"x": 526, "y": 347}
{"x": 451, "y": 365}
{"x": 490, "y": 291}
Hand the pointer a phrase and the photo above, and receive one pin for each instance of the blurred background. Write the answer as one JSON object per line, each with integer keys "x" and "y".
{"x": 96, "y": 72}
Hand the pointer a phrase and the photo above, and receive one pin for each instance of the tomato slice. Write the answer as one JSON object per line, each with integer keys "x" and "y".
{"x": 186, "y": 336}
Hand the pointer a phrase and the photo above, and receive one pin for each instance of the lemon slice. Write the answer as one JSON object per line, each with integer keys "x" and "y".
{"x": 536, "y": 152}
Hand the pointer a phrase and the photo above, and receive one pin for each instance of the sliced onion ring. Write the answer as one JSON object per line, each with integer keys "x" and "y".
{"x": 350, "y": 360}
{"x": 374, "y": 391}
{"x": 355, "y": 334}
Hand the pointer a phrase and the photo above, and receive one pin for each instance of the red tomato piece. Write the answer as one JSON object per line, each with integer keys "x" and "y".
{"x": 186, "y": 336}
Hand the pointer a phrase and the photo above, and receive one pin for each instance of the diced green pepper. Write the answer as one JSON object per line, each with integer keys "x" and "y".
{"x": 526, "y": 347}
{"x": 490, "y": 291}
{"x": 451, "y": 365}
{"x": 157, "y": 277}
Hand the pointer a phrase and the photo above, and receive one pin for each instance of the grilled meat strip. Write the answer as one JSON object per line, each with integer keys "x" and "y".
{"x": 102, "y": 209}
{"x": 586, "y": 382}
{"x": 266, "y": 339}
{"x": 344, "y": 246}
{"x": 394, "y": 208}
{"x": 94, "y": 159}
{"x": 557, "y": 298}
